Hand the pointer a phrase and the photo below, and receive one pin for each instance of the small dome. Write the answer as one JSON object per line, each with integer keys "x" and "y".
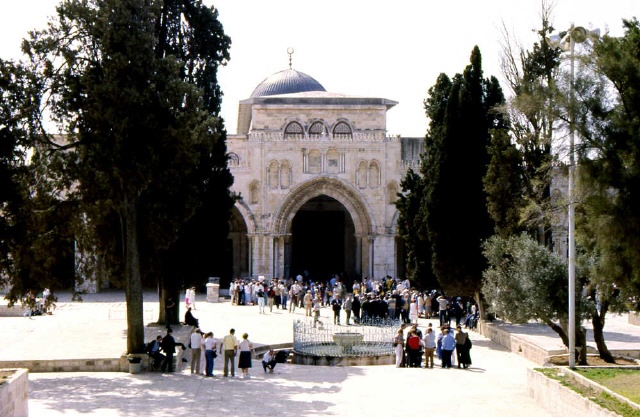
{"x": 286, "y": 82}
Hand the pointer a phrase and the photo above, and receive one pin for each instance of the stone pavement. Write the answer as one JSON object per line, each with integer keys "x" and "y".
{"x": 495, "y": 385}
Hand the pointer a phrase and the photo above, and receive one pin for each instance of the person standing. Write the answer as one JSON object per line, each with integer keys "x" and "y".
{"x": 463, "y": 344}
{"x": 398, "y": 347}
{"x": 169, "y": 349}
{"x": 355, "y": 307}
{"x": 335, "y": 306}
{"x": 308, "y": 303}
{"x": 429, "y": 347}
{"x": 209, "y": 352}
{"x": 348, "y": 306}
{"x": 246, "y": 354}
{"x": 448, "y": 345}
{"x": 443, "y": 305}
{"x": 195, "y": 341}
{"x": 230, "y": 346}
{"x": 169, "y": 311}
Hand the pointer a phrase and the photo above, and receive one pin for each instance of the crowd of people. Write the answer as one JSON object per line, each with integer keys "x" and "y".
{"x": 361, "y": 301}
{"x": 366, "y": 300}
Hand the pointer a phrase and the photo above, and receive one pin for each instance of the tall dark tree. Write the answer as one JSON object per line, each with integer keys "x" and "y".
{"x": 608, "y": 216}
{"x": 456, "y": 160}
{"x": 139, "y": 129}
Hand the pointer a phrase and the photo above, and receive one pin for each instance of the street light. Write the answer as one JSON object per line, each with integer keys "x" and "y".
{"x": 567, "y": 42}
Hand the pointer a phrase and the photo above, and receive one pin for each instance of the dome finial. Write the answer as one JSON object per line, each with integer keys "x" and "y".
{"x": 290, "y": 52}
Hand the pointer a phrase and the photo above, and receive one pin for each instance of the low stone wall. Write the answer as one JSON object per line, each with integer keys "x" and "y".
{"x": 559, "y": 400}
{"x": 634, "y": 318}
{"x": 514, "y": 343}
{"x": 70, "y": 365}
{"x": 302, "y": 359}
{"x": 14, "y": 393}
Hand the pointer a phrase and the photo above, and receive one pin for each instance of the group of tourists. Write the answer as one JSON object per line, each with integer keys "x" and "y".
{"x": 449, "y": 348}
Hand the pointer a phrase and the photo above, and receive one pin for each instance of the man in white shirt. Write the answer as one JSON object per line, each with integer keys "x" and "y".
{"x": 196, "y": 341}
{"x": 269, "y": 361}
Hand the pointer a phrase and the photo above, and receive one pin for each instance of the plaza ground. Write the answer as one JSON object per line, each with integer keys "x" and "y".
{"x": 495, "y": 385}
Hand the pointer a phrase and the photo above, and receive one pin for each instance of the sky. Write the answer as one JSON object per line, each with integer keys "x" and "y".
{"x": 373, "y": 48}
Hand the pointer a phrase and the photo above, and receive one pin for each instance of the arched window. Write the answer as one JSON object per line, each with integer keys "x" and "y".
{"x": 315, "y": 162}
{"x": 293, "y": 130}
{"x": 273, "y": 175}
{"x": 285, "y": 175}
{"x": 374, "y": 175}
{"x": 361, "y": 175}
{"x": 317, "y": 129}
{"x": 342, "y": 131}
{"x": 233, "y": 159}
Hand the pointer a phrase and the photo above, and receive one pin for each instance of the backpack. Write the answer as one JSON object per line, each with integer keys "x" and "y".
{"x": 413, "y": 343}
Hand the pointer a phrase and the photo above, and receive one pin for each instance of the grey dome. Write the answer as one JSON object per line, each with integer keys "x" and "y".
{"x": 286, "y": 82}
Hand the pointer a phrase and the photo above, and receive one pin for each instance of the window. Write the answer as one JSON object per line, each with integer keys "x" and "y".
{"x": 233, "y": 160}
{"x": 254, "y": 190}
{"x": 318, "y": 129}
{"x": 342, "y": 131}
{"x": 333, "y": 161}
{"x": 293, "y": 130}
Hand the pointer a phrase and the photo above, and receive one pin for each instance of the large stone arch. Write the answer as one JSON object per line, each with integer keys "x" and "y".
{"x": 350, "y": 198}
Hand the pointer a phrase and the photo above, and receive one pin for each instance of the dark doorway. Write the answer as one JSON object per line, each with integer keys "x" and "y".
{"x": 323, "y": 240}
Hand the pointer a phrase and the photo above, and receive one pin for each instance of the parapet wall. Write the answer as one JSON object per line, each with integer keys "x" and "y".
{"x": 14, "y": 393}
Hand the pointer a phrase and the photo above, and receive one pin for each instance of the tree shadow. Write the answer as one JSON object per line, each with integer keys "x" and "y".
{"x": 281, "y": 393}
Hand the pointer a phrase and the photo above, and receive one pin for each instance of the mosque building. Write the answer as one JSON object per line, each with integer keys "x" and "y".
{"x": 318, "y": 177}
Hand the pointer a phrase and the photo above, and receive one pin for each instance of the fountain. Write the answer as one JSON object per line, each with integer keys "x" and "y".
{"x": 362, "y": 344}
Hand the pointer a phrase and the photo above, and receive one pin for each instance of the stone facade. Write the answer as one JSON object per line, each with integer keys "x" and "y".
{"x": 14, "y": 393}
{"x": 316, "y": 151}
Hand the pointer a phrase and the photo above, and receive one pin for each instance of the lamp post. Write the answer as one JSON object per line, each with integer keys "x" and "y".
{"x": 567, "y": 42}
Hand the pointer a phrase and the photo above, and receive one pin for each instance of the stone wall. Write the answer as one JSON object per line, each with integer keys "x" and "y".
{"x": 14, "y": 393}
{"x": 634, "y": 318}
{"x": 562, "y": 401}
{"x": 70, "y": 365}
{"x": 514, "y": 343}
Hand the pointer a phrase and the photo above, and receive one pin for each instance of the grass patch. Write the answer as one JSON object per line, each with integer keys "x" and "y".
{"x": 625, "y": 382}
{"x": 601, "y": 398}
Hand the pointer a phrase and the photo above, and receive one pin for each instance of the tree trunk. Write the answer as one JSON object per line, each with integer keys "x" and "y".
{"x": 581, "y": 343}
{"x": 135, "y": 322}
{"x": 559, "y": 330}
{"x": 598, "y": 320}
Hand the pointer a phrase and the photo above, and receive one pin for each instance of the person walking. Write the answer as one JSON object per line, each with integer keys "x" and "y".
{"x": 195, "y": 342}
{"x": 246, "y": 354}
{"x": 209, "y": 352}
{"x": 230, "y": 346}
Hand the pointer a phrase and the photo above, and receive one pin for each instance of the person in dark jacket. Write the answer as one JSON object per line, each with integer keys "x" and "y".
{"x": 169, "y": 348}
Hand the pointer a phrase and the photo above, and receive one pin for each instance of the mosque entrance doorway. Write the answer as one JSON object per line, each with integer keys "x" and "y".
{"x": 323, "y": 240}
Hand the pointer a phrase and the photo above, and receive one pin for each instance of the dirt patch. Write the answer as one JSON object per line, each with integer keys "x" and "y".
{"x": 563, "y": 360}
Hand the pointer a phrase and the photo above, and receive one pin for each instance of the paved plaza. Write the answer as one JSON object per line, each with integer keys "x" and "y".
{"x": 495, "y": 385}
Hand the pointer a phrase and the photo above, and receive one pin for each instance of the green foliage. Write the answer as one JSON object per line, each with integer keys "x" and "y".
{"x": 609, "y": 123}
{"x": 132, "y": 85}
{"x": 454, "y": 165}
{"x": 525, "y": 281}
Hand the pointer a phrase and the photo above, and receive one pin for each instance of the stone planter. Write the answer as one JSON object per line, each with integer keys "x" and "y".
{"x": 14, "y": 393}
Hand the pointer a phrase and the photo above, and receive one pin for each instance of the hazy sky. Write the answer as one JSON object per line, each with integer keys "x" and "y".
{"x": 374, "y": 48}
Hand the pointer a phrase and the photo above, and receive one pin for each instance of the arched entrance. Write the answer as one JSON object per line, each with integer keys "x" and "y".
{"x": 323, "y": 240}
{"x": 238, "y": 248}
